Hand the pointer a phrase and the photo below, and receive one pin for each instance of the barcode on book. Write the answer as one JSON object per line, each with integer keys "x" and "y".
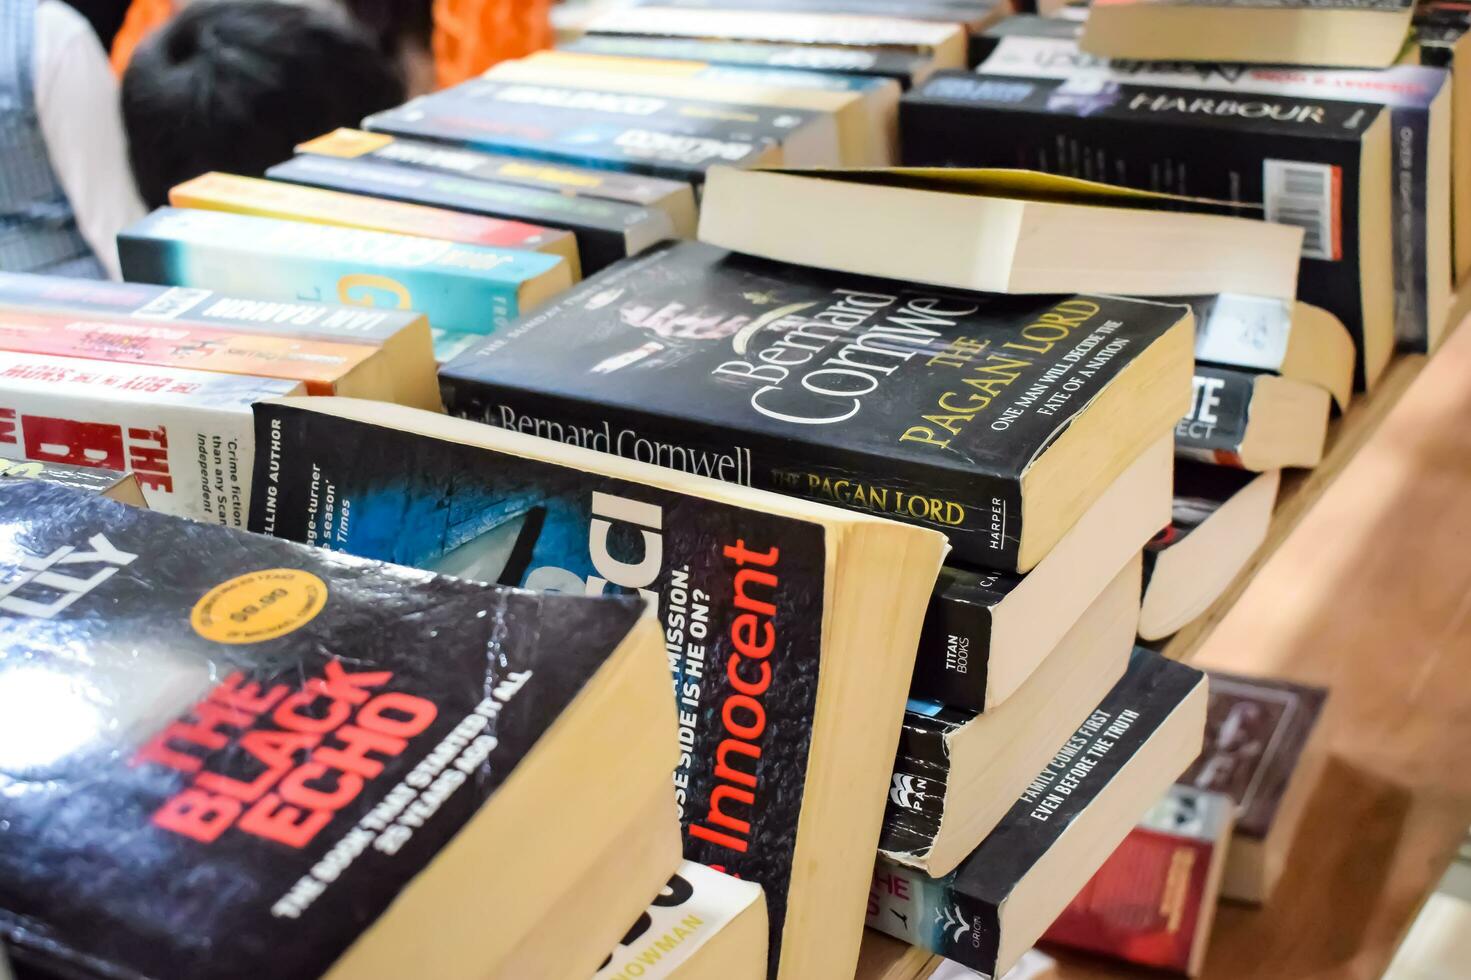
{"x": 174, "y": 303}
{"x": 1307, "y": 195}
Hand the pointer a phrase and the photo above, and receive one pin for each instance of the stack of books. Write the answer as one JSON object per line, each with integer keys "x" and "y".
{"x": 673, "y": 518}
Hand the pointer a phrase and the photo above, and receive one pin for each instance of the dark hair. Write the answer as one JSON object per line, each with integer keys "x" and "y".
{"x": 234, "y": 85}
{"x": 395, "y": 23}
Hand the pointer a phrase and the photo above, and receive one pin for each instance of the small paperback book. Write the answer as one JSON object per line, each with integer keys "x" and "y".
{"x": 957, "y": 772}
{"x": 704, "y": 925}
{"x": 1253, "y": 421}
{"x": 789, "y": 628}
{"x": 1219, "y": 518}
{"x": 1154, "y": 900}
{"x": 995, "y": 419}
{"x": 1261, "y": 750}
{"x": 987, "y": 912}
{"x": 230, "y": 756}
{"x": 186, "y": 436}
{"x": 403, "y": 335}
{"x": 122, "y": 487}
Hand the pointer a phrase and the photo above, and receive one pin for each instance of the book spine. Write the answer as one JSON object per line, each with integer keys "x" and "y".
{"x": 204, "y": 308}
{"x": 191, "y": 462}
{"x": 970, "y": 509}
{"x": 927, "y": 912}
{"x": 954, "y": 646}
{"x": 878, "y": 62}
{"x": 292, "y": 202}
{"x": 915, "y": 806}
{"x": 1296, "y": 157}
{"x": 610, "y": 143}
{"x": 403, "y": 278}
{"x": 1215, "y": 427}
{"x": 603, "y": 228}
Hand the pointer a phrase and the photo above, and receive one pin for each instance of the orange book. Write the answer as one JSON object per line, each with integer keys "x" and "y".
{"x": 324, "y": 367}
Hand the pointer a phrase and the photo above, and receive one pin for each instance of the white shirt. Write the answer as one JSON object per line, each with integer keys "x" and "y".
{"x": 81, "y": 120}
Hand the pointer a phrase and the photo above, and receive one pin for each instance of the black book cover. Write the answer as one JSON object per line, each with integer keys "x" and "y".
{"x": 740, "y": 595}
{"x": 920, "y": 404}
{"x": 955, "y": 640}
{"x": 1200, "y": 490}
{"x": 602, "y": 228}
{"x": 959, "y": 915}
{"x": 226, "y": 754}
{"x": 583, "y": 182}
{"x": 661, "y": 137}
{"x": 1298, "y": 157}
{"x": 901, "y": 66}
{"x": 921, "y": 770}
{"x": 1220, "y": 408}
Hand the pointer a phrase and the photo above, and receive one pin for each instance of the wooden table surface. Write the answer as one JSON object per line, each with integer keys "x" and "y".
{"x": 1371, "y": 597}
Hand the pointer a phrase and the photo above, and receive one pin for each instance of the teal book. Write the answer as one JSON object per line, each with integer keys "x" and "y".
{"x": 461, "y": 288}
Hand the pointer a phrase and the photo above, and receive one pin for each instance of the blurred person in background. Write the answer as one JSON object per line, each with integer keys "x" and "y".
{"x": 235, "y": 85}
{"x": 65, "y": 189}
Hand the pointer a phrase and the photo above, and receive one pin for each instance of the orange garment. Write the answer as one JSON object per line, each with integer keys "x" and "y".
{"x": 469, "y": 35}
{"x": 143, "y": 17}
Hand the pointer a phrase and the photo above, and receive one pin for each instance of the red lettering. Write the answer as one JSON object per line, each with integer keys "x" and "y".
{"x": 8, "y": 427}
{"x": 743, "y": 635}
{"x": 718, "y": 816}
{"x": 724, "y": 771}
{"x": 288, "y": 825}
{"x": 294, "y": 788}
{"x": 195, "y": 813}
{"x": 53, "y": 440}
{"x": 752, "y": 688}
{"x": 416, "y": 714}
{"x": 749, "y": 732}
{"x": 233, "y": 693}
{"x": 339, "y": 685}
{"x": 289, "y": 717}
{"x": 357, "y": 743}
{"x": 716, "y": 837}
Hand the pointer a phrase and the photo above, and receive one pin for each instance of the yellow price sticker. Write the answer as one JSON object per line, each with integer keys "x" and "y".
{"x": 259, "y": 606}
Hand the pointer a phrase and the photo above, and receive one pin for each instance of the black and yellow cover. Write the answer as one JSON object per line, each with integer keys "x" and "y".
{"x": 914, "y": 403}
{"x": 225, "y": 756}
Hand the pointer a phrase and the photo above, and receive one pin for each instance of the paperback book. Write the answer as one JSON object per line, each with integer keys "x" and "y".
{"x": 1253, "y": 421}
{"x": 1322, "y": 164}
{"x": 702, "y": 924}
{"x": 345, "y": 743}
{"x": 674, "y": 197}
{"x": 186, "y": 436}
{"x": 112, "y": 484}
{"x": 1154, "y": 900}
{"x": 613, "y": 133}
{"x": 463, "y": 288}
{"x": 606, "y": 231}
{"x": 1421, "y": 115}
{"x": 754, "y": 595}
{"x": 403, "y": 336}
{"x": 987, "y": 912}
{"x": 1261, "y": 751}
{"x": 273, "y": 199}
{"x": 323, "y": 367}
{"x": 901, "y": 66}
{"x": 845, "y": 389}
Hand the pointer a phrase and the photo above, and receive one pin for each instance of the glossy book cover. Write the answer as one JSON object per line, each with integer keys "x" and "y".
{"x": 223, "y": 756}
{"x": 464, "y": 288}
{"x": 741, "y": 595}
{"x": 919, "y": 404}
